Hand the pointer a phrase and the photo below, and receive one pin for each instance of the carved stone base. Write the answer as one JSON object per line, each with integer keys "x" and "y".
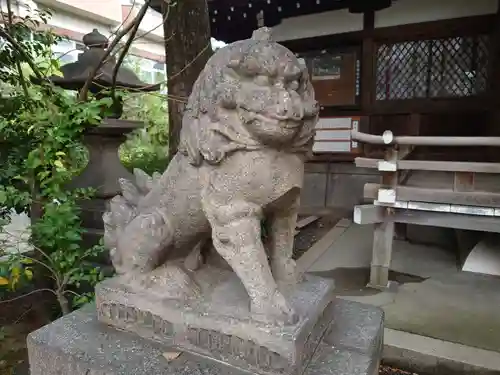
{"x": 216, "y": 321}
{"x": 78, "y": 344}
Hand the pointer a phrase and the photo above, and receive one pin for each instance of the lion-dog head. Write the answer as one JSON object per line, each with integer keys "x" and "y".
{"x": 251, "y": 94}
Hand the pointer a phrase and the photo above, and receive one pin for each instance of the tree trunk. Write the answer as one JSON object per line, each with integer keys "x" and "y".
{"x": 63, "y": 303}
{"x": 187, "y": 46}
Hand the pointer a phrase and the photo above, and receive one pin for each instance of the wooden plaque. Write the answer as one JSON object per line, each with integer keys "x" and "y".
{"x": 334, "y": 76}
{"x": 333, "y": 135}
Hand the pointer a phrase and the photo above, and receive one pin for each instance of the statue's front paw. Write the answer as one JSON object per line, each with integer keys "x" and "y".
{"x": 274, "y": 309}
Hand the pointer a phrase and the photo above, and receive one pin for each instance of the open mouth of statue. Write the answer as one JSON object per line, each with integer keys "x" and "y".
{"x": 277, "y": 120}
{"x": 274, "y": 119}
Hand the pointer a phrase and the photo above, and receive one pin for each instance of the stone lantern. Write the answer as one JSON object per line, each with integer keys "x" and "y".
{"x": 76, "y": 74}
{"x": 104, "y": 168}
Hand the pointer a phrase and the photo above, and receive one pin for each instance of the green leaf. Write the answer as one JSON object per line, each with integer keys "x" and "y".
{"x": 59, "y": 164}
{"x": 21, "y": 178}
{"x": 28, "y": 273}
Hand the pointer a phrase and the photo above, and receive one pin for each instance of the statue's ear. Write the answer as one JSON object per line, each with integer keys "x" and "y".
{"x": 189, "y": 145}
{"x": 302, "y": 63}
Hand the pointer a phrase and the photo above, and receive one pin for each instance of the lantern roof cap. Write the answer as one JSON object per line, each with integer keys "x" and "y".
{"x": 76, "y": 74}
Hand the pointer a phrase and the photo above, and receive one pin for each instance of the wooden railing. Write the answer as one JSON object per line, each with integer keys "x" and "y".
{"x": 459, "y": 206}
{"x": 397, "y": 163}
{"x": 389, "y": 139}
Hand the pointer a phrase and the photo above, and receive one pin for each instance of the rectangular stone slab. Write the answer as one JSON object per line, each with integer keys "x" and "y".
{"x": 78, "y": 344}
{"x": 217, "y": 324}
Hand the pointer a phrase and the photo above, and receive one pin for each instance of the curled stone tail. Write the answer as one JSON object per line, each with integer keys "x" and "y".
{"x": 122, "y": 208}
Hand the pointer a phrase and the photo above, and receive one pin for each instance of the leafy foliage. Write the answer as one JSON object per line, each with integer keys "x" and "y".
{"x": 146, "y": 148}
{"x": 41, "y": 129}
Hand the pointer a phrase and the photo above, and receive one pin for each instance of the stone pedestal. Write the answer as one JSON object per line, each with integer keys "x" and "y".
{"x": 103, "y": 171}
{"x": 79, "y": 344}
{"x": 216, "y": 322}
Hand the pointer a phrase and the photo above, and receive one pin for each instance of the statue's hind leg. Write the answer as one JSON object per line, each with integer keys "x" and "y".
{"x": 141, "y": 254}
{"x": 143, "y": 244}
{"x": 236, "y": 235}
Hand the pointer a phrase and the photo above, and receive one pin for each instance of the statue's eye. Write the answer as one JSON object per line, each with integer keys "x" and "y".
{"x": 293, "y": 85}
{"x": 262, "y": 80}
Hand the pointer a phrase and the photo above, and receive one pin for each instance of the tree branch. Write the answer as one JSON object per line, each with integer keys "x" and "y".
{"x": 82, "y": 96}
{"x": 133, "y": 32}
{"x": 18, "y": 64}
{"x": 50, "y": 267}
{"x": 28, "y": 294}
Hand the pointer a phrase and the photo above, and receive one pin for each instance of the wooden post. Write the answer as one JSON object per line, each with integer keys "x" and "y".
{"x": 494, "y": 82}
{"x": 368, "y": 62}
{"x": 382, "y": 252}
{"x": 412, "y": 128}
{"x": 383, "y": 235}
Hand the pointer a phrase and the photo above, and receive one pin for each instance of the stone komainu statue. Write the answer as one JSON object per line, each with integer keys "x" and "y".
{"x": 246, "y": 132}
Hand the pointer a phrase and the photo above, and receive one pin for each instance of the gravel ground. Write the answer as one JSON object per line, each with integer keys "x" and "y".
{"x": 387, "y": 370}
{"x": 22, "y": 368}
{"x": 312, "y": 233}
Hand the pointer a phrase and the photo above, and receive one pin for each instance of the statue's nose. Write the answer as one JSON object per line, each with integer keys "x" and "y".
{"x": 290, "y": 105}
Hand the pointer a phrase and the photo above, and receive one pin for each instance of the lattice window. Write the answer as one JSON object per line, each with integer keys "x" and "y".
{"x": 453, "y": 67}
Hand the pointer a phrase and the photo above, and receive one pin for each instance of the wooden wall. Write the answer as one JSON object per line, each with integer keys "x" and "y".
{"x": 462, "y": 116}
{"x": 452, "y": 115}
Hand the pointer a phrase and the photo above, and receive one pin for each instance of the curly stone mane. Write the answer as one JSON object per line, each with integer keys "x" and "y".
{"x": 205, "y": 135}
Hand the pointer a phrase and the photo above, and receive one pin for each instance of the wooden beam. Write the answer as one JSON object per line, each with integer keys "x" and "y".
{"x": 465, "y": 26}
{"x": 366, "y": 162}
{"x": 446, "y": 220}
{"x": 430, "y": 165}
{"x": 449, "y": 166}
{"x": 329, "y": 157}
{"x": 430, "y": 105}
{"x": 443, "y": 220}
{"x": 408, "y": 194}
{"x": 369, "y": 214}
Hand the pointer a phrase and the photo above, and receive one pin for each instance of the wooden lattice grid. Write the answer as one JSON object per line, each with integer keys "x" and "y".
{"x": 438, "y": 68}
